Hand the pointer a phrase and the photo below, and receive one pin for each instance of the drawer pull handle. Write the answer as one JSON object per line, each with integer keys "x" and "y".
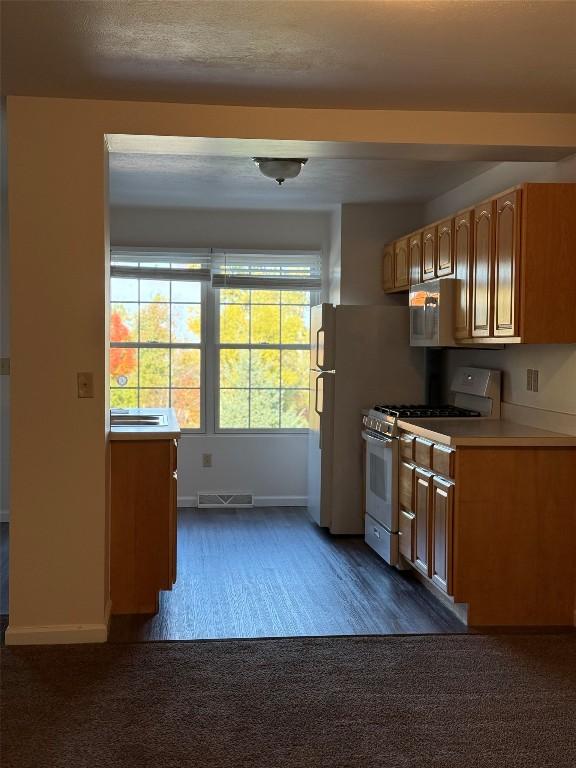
{"x": 376, "y": 532}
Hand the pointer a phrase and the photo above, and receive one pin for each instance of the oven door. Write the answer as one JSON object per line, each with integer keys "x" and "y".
{"x": 382, "y": 480}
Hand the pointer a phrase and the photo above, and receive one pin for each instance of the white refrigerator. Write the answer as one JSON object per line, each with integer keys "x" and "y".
{"x": 360, "y": 356}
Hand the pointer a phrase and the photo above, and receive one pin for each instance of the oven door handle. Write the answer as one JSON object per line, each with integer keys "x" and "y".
{"x": 376, "y": 440}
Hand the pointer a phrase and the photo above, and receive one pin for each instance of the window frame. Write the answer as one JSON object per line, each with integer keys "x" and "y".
{"x": 201, "y": 346}
{"x": 209, "y": 345}
{"x": 215, "y": 349}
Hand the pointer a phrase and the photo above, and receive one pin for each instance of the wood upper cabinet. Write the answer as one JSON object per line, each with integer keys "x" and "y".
{"x": 422, "y": 507}
{"x": 513, "y": 258}
{"x": 445, "y": 248}
{"x": 482, "y": 269}
{"x": 506, "y": 264}
{"x": 442, "y": 506}
{"x": 415, "y": 255}
{"x": 388, "y": 268}
{"x": 463, "y": 249}
{"x": 401, "y": 265}
{"x": 429, "y": 254}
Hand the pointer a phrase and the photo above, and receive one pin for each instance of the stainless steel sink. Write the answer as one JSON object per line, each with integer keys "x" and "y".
{"x": 138, "y": 420}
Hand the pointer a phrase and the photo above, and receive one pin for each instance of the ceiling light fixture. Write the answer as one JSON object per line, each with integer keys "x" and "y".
{"x": 280, "y": 168}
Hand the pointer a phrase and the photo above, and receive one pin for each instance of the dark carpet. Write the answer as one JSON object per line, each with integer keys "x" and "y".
{"x": 391, "y": 702}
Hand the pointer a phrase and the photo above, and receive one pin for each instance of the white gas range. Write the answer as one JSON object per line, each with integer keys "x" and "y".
{"x": 475, "y": 393}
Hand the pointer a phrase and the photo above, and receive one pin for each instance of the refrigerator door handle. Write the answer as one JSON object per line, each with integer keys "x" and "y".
{"x": 320, "y": 413}
{"x": 318, "y": 363}
{"x": 316, "y": 396}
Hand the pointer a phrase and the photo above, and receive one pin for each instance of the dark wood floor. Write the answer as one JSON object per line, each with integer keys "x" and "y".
{"x": 270, "y": 572}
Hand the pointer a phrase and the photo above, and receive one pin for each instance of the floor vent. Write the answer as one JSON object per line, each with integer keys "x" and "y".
{"x": 207, "y": 500}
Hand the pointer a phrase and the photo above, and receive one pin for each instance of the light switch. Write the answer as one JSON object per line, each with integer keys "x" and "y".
{"x": 85, "y": 384}
{"x": 4, "y": 366}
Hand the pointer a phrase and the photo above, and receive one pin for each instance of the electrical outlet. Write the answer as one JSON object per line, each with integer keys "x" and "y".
{"x": 85, "y": 384}
{"x": 529, "y": 379}
{"x": 535, "y": 374}
{"x": 206, "y": 460}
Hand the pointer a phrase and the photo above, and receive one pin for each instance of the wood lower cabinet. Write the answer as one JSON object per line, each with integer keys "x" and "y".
{"x": 423, "y": 452}
{"x": 441, "y": 533}
{"x": 422, "y": 502}
{"x": 406, "y": 534}
{"x": 498, "y": 536}
{"x": 143, "y": 498}
{"x": 406, "y": 485}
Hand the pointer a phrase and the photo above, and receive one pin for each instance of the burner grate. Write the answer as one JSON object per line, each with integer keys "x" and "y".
{"x": 426, "y": 411}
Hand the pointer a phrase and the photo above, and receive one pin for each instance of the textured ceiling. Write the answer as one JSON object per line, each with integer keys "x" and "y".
{"x": 236, "y": 182}
{"x": 430, "y": 54}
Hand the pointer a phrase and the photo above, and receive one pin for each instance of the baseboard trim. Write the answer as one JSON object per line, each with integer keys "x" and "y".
{"x": 4, "y": 515}
{"x": 60, "y": 634}
{"x": 259, "y": 501}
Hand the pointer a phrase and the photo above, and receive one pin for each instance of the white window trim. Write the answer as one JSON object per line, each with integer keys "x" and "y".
{"x": 209, "y": 345}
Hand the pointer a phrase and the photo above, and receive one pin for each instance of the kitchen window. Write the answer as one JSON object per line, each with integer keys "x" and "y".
{"x": 157, "y": 334}
{"x": 223, "y": 338}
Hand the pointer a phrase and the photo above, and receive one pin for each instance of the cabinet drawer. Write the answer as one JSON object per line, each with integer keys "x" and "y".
{"x": 382, "y": 541}
{"x": 406, "y": 485}
{"x": 407, "y": 447}
{"x": 423, "y": 452}
{"x": 406, "y": 521}
{"x": 443, "y": 460}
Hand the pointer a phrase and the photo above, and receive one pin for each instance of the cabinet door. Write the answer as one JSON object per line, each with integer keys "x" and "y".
{"x": 388, "y": 268}
{"x": 482, "y": 269}
{"x": 422, "y": 501}
{"x": 506, "y": 264}
{"x": 415, "y": 247}
{"x": 406, "y": 485}
{"x": 445, "y": 248}
{"x": 401, "y": 264}
{"x": 463, "y": 249}
{"x": 406, "y": 537}
{"x": 173, "y": 511}
{"x": 429, "y": 253}
{"x": 441, "y": 525}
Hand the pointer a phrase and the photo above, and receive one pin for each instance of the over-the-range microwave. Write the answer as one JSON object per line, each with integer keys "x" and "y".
{"x": 432, "y": 313}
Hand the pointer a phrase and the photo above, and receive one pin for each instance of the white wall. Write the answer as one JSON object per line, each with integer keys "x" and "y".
{"x": 220, "y": 228}
{"x": 554, "y": 405}
{"x": 272, "y": 467}
{"x": 4, "y": 316}
{"x": 365, "y": 230}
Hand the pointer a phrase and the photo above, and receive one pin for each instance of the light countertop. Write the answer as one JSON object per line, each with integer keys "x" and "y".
{"x": 167, "y": 431}
{"x": 484, "y": 432}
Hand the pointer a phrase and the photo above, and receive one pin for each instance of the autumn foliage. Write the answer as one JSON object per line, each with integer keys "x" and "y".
{"x": 122, "y": 361}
